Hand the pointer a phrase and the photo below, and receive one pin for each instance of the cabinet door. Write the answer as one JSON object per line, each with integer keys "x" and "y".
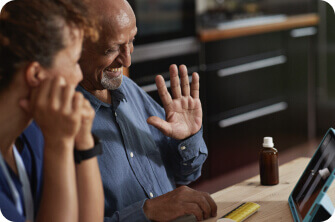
{"x": 218, "y": 52}
{"x": 301, "y": 89}
{"x": 326, "y": 74}
{"x": 246, "y": 83}
{"x": 238, "y": 145}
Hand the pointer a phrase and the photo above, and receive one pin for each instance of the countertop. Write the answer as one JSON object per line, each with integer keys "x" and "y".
{"x": 290, "y": 22}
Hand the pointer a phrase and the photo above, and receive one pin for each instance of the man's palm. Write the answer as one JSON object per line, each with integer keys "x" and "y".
{"x": 183, "y": 112}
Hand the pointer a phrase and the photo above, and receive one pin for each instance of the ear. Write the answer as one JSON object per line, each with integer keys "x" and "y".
{"x": 35, "y": 74}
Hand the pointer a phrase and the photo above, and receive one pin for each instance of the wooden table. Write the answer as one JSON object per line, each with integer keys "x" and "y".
{"x": 273, "y": 199}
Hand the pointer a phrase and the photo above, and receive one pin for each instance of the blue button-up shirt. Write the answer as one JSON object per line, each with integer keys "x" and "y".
{"x": 138, "y": 161}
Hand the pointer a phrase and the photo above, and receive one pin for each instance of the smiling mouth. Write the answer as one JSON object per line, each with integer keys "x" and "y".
{"x": 114, "y": 69}
{"x": 113, "y": 72}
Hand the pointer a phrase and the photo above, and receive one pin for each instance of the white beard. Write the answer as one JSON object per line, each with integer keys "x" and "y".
{"x": 111, "y": 83}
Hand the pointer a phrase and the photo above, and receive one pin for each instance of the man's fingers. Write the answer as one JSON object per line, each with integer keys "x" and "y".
{"x": 163, "y": 92}
{"x": 175, "y": 84}
{"x": 211, "y": 203}
{"x": 199, "y": 198}
{"x": 202, "y": 199}
{"x": 160, "y": 124}
{"x": 193, "y": 208}
{"x": 204, "y": 205}
{"x": 185, "y": 85}
{"x": 195, "y": 85}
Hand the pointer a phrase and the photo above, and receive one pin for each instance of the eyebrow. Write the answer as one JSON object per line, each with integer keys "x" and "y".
{"x": 121, "y": 43}
{"x": 104, "y": 45}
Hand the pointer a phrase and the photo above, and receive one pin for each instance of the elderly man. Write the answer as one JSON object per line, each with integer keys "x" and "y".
{"x": 148, "y": 150}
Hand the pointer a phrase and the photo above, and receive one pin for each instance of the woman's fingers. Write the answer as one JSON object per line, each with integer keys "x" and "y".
{"x": 77, "y": 104}
{"x": 40, "y": 95}
{"x": 56, "y": 93}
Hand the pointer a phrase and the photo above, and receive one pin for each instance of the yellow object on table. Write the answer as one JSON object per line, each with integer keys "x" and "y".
{"x": 241, "y": 212}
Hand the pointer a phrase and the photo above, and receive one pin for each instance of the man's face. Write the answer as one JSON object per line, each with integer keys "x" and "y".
{"x": 102, "y": 62}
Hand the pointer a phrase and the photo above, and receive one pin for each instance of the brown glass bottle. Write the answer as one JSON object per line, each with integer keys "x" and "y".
{"x": 268, "y": 163}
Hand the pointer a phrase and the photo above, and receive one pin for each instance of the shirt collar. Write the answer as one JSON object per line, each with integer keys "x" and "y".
{"x": 117, "y": 96}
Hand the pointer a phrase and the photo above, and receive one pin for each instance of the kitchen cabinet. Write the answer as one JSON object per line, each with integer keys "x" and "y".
{"x": 326, "y": 78}
{"x": 302, "y": 69}
{"x": 256, "y": 86}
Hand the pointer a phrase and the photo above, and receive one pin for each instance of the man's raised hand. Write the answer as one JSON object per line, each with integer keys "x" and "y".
{"x": 183, "y": 110}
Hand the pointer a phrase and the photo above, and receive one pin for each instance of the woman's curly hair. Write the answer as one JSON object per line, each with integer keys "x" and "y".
{"x": 32, "y": 30}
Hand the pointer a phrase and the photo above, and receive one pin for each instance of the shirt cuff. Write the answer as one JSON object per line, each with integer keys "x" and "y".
{"x": 190, "y": 148}
{"x": 134, "y": 212}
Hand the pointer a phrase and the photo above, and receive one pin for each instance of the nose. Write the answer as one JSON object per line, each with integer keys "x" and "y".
{"x": 125, "y": 56}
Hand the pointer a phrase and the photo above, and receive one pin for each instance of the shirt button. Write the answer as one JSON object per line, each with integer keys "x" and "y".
{"x": 131, "y": 154}
{"x": 183, "y": 148}
{"x": 185, "y": 164}
{"x": 115, "y": 114}
{"x": 151, "y": 195}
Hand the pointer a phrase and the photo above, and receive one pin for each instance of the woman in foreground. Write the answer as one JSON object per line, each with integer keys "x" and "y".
{"x": 40, "y": 45}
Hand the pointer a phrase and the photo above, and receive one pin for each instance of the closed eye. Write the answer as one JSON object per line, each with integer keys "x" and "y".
{"x": 109, "y": 51}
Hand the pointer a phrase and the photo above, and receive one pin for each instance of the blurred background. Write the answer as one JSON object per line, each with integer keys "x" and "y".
{"x": 267, "y": 68}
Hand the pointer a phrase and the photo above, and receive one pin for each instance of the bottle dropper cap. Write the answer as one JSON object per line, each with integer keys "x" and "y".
{"x": 268, "y": 142}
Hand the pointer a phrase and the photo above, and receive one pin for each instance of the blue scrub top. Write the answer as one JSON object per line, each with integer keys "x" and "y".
{"x": 32, "y": 156}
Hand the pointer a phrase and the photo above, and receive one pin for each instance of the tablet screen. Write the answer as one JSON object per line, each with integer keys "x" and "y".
{"x": 315, "y": 176}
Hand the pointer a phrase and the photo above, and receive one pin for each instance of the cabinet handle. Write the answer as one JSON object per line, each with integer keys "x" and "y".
{"x": 303, "y": 32}
{"x": 164, "y": 49}
{"x": 253, "y": 114}
{"x": 252, "y": 66}
{"x": 152, "y": 87}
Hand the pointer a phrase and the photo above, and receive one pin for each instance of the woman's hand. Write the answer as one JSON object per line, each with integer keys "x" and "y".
{"x": 56, "y": 108}
{"x": 84, "y": 139}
